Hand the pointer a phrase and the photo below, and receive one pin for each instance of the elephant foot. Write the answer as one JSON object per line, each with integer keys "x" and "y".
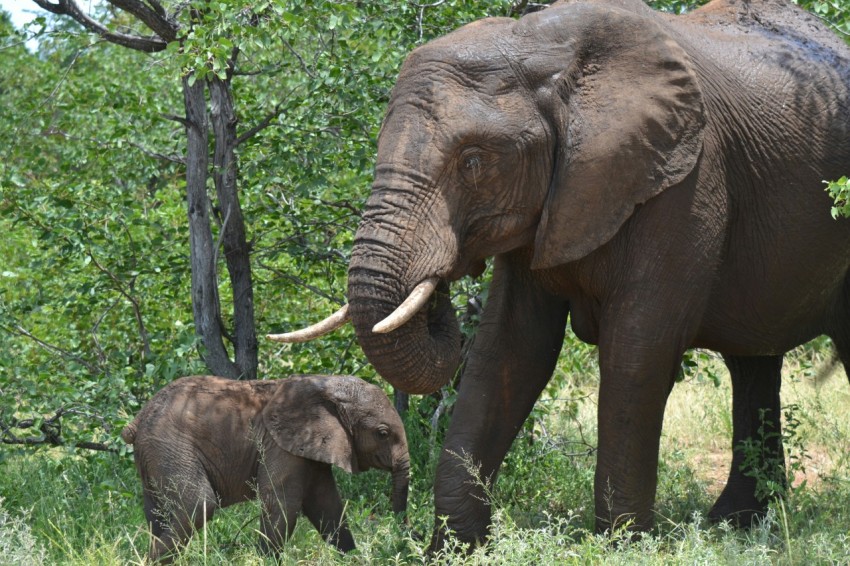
{"x": 738, "y": 506}
{"x": 462, "y": 510}
{"x": 445, "y": 538}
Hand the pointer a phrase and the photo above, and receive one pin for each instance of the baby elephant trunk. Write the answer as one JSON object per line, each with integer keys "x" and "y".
{"x": 401, "y": 483}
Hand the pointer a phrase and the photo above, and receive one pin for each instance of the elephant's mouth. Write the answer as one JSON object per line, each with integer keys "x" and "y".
{"x": 473, "y": 268}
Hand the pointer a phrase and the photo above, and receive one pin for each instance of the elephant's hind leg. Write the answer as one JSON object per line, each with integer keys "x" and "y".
{"x": 162, "y": 542}
{"x": 174, "y": 514}
{"x": 756, "y": 438}
{"x": 840, "y": 332}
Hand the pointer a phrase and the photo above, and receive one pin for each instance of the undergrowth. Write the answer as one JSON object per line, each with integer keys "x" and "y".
{"x": 60, "y": 507}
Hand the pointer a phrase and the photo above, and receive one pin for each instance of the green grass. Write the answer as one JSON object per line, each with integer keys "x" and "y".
{"x": 58, "y": 507}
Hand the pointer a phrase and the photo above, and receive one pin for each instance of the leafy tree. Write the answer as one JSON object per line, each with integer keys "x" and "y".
{"x": 213, "y": 61}
{"x": 95, "y": 178}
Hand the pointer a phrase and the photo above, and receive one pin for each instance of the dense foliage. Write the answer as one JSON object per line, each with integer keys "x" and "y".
{"x": 96, "y": 311}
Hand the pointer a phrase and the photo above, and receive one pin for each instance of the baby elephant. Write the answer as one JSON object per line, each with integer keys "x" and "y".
{"x": 202, "y": 443}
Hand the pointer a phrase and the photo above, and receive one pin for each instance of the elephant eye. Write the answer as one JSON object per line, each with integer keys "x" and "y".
{"x": 472, "y": 164}
{"x": 383, "y": 433}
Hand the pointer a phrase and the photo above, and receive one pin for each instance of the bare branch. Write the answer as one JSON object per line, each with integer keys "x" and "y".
{"x": 101, "y": 353}
{"x": 267, "y": 70}
{"x": 155, "y": 20}
{"x": 343, "y": 204}
{"x": 173, "y": 158}
{"x": 157, "y": 7}
{"x": 301, "y": 283}
{"x": 422, "y": 15}
{"x": 137, "y": 309}
{"x": 301, "y": 61}
{"x": 261, "y": 125}
{"x": 70, "y": 8}
{"x": 61, "y": 80}
{"x": 51, "y": 431}
{"x": 179, "y": 119}
{"x": 266, "y": 121}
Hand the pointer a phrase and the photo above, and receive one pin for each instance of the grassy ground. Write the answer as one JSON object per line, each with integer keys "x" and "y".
{"x": 61, "y": 508}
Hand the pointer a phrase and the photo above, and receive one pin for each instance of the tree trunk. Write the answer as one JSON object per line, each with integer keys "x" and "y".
{"x": 236, "y": 250}
{"x": 205, "y": 301}
{"x": 206, "y": 305}
{"x": 401, "y": 400}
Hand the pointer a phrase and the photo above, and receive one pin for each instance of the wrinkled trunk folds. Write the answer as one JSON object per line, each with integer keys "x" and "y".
{"x": 420, "y": 356}
{"x": 401, "y": 483}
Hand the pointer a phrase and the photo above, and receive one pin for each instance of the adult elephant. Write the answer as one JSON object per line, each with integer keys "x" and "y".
{"x": 658, "y": 179}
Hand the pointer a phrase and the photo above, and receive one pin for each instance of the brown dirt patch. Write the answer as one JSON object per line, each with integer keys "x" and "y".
{"x": 713, "y": 468}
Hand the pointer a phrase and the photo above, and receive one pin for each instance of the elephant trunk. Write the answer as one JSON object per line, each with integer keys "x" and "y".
{"x": 421, "y": 355}
{"x": 401, "y": 484}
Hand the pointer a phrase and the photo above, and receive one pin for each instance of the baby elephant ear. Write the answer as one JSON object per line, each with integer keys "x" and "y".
{"x": 304, "y": 420}
{"x": 629, "y": 119}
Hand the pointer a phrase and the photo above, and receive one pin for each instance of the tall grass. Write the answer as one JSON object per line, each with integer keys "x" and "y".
{"x": 63, "y": 508}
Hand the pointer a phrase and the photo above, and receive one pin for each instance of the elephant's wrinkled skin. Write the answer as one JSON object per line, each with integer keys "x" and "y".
{"x": 203, "y": 443}
{"x": 657, "y": 178}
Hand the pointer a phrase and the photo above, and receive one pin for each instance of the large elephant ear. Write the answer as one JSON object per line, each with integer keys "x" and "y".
{"x": 627, "y": 110}
{"x": 305, "y": 419}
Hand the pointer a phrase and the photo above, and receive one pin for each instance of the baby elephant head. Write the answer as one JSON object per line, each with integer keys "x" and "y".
{"x": 340, "y": 420}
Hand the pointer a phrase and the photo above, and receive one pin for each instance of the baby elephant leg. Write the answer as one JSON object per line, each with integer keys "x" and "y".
{"x": 281, "y": 495}
{"x": 323, "y": 507}
{"x": 174, "y": 514}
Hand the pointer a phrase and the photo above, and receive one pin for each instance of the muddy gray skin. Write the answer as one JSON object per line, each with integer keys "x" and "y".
{"x": 203, "y": 443}
{"x": 656, "y": 179}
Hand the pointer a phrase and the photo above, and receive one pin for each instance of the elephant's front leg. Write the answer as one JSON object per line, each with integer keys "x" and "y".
{"x": 640, "y": 350}
{"x": 511, "y": 360}
{"x": 756, "y": 435}
{"x": 282, "y": 481}
{"x": 324, "y": 508}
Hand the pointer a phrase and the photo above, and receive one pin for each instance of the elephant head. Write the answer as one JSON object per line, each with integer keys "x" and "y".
{"x": 510, "y": 134}
{"x": 340, "y": 420}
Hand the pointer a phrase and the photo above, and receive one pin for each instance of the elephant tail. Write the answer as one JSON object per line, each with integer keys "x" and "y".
{"x": 128, "y": 435}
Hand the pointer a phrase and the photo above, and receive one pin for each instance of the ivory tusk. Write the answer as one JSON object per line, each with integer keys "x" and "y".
{"x": 411, "y": 305}
{"x": 331, "y": 323}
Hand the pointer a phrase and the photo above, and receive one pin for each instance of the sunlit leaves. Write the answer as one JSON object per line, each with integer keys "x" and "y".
{"x": 839, "y": 191}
